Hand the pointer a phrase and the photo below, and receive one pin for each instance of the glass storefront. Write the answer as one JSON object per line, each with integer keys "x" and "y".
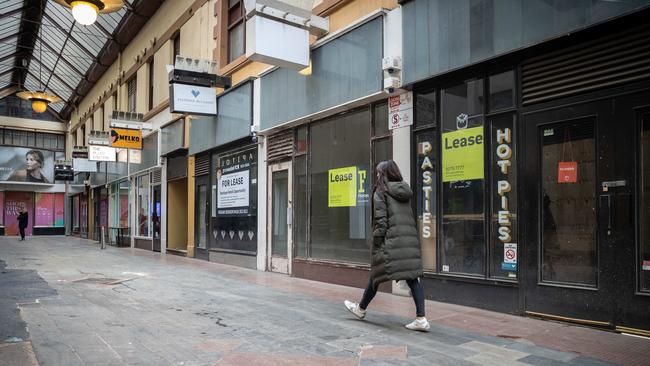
{"x": 233, "y": 216}
{"x": 143, "y": 228}
{"x": 465, "y": 177}
{"x": 334, "y": 161}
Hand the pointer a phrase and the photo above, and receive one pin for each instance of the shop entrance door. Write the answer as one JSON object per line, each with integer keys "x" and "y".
{"x": 280, "y": 218}
{"x": 580, "y": 260}
{"x": 155, "y": 217}
{"x": 202, "y": 217}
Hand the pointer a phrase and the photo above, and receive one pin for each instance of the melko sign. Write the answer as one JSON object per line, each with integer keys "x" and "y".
{"x": 126, "y": 138}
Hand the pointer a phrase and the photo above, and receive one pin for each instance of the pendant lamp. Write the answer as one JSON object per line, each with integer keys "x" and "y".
{"x": 85, "y": 11}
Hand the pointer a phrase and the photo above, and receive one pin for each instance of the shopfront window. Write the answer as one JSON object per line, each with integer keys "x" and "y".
{"x": 340, "y": 186}
{"x": 143, "y": 205}
{"x": 301, "y": 193}
{"x": 48, "y": 209}
{"x": 234, "y": 201}
{"x": 463, "y": 179}
{"x": 502, "y": 91}
{"x": 569, "y": 203}
{"x": 644, "y": 252}
{"x": 75, "y": 213}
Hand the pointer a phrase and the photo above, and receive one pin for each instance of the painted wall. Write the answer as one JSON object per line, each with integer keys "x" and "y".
{"x": 176, "y": 222}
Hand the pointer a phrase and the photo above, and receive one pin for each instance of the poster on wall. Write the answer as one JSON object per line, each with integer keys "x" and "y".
{"x": 14, "y": 201}
{"x": 44, "y": 209}
{"x": 462, "y": 155}
{"x": 234, "y": 184}
{"x": 58, "y": 209}
{"x": 346, "y": 187}
{"x": 18, "y": 164}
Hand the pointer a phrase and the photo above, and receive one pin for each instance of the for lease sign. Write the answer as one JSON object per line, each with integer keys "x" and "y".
{"x": 462, "y": 155}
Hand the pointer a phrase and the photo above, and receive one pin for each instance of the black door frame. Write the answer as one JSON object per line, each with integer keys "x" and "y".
{"x": 202, "y": 253}
{"x": 617, "y": 114}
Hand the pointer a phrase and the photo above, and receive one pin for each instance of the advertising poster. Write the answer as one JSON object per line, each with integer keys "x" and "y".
{"x": 18, "y": 164}
{"x": 2, "y": 204}
{"x": 462, "y": 155}
{"x": 234, "y": 185}
{"x": 44, "y": 214}
{"x": 14, "y": 201}
{"x": 342, "y": 187}
{"x": 58, "y": 209}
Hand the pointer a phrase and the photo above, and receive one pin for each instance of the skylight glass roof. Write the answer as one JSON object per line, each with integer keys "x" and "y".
{"x": 63, "y": 52}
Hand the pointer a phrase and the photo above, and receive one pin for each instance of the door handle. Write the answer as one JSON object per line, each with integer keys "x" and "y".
{"x": 606, "y": 206}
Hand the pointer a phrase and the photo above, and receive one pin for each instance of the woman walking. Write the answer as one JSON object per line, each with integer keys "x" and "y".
{"x": 396, "y": 248}
{"x": 22, "y": 222}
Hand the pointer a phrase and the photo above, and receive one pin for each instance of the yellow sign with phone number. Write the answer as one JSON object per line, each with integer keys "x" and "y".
{"x": 462, "y": 155}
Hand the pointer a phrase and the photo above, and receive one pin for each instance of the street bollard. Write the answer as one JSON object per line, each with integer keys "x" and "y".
{"x": 102, "y": 239}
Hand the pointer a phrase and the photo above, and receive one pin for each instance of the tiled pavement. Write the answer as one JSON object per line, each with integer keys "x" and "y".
{"x": 128, "y": 306}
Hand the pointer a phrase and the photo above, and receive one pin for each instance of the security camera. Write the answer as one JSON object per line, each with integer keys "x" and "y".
{"x": 391, "y": 64}
{"x": 390, "y": 90}
{"x": 254, "y": 138}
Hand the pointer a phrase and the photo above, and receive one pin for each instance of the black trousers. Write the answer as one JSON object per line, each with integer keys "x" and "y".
{"x": 417, "y": 292}
{"x": 22, "y": 232}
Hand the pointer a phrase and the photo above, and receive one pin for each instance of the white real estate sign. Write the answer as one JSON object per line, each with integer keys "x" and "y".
{"x": 234, "y": 190}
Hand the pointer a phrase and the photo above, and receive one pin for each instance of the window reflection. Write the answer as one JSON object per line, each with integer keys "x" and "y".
{"x": 463, "y": 234}
{"x": 644, "y": 252}
{"x": 568, "y": 204}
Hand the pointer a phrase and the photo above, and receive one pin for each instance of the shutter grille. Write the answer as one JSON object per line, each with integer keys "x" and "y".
{"x": 280, "y": 146}
{"x": 202, "y": 165}
{"x": 606, "y": 62}
{"x": 157, "y": 176}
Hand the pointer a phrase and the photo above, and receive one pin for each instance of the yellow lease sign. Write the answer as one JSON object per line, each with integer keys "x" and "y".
{"x": 126, "y": 138}
{"x": 462, "y": 155}
{"x": 342, "y": 187}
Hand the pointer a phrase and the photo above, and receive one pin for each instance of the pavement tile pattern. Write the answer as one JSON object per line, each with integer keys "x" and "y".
{"x": 123, "y": 306}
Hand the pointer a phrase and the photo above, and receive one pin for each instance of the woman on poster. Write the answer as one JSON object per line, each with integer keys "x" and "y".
{"x": 32, "y": 171}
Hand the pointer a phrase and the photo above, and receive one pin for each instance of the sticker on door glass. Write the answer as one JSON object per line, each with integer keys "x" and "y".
{"x": 645, "y": 265}
{"x": 567, "y": 172}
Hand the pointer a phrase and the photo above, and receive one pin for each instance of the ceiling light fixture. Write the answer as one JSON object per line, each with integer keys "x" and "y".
{"x": 39, "y": 98}
{"x": 85, "y": 11}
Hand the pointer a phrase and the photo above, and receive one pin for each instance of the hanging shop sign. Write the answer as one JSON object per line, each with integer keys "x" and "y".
{"x": 101, "y": 153}
{"x": 504, "y": 212}
{"x": 126, "y": 138}
{"x": 63, "y": 170}
{"x": 400, "y": 110}
{"x": 84, "y": 165}
{"x": 101, "y": 138}
{"x": 462, "y": 155}
{"x": 347, "y": 187}
{"x": 80, "y": 152}
{"x": 567, "y": 172}
{"x": 192, "y": 99}
{"x": 234, "y": 184}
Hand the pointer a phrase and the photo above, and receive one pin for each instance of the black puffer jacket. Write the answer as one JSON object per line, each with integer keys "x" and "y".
{"x": 396, "y": 253}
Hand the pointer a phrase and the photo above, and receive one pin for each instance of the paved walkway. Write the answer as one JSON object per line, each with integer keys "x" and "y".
{"x": 84, "y": 306}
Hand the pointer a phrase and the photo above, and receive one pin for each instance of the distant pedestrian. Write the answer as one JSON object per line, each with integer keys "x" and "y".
{"x": 22, "y": 222}
{"x": 396, "y": 253}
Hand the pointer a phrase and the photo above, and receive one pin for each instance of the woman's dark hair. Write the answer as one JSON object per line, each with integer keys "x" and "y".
{"x": 388, "y": 172}
{"x": 38, "y": 156}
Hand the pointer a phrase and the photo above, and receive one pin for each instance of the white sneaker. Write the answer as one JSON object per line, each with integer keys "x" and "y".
{"x": 421, "y": 325}
{"x": 355, "y": 309}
